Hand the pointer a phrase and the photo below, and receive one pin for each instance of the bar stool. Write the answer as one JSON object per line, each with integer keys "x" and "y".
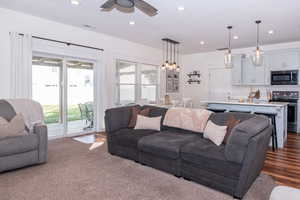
{"x": 272, "y": 117}
{"x": 216, "y": 110}
{"x": 239, "y": 111}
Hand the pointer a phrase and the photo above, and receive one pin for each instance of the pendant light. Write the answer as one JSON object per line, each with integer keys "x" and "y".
{"x": 170, "y": 55}
{"x": 228, "y": 55}
{"x": 257, "y": 58}
{"x": 178, "y": 67}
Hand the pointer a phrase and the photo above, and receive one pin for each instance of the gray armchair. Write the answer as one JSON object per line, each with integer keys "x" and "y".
{"x": 20, "y": 151}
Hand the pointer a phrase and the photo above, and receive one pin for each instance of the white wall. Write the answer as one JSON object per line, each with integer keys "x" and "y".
{"x": 113, "y": 47}
{"x": 214, "y": 62}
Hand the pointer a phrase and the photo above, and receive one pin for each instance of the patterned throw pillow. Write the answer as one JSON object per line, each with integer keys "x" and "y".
{"x": 14, "y": 127}
{"x": 231, "y": 123}
{"x": 135, "y": 112}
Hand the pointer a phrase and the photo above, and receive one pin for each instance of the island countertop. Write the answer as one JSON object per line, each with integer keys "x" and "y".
{"x": 278, "y": 108}
{"x": 271, "y": 104}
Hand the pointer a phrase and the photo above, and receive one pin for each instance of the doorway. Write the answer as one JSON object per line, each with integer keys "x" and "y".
{"x": 64, "y": 86}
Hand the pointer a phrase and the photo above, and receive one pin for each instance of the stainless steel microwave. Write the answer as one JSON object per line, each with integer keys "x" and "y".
{"x": 286, "y": 77}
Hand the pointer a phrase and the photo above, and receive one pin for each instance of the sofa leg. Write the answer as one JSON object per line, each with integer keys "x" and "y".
{"x": 177, "y": 176}
{"x": 187, "y": 179}
{"x": 239, "y": 198}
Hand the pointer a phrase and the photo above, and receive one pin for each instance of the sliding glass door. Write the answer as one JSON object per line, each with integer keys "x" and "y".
{"x": 80, "y": 108}
{"x": 65, "y": 88}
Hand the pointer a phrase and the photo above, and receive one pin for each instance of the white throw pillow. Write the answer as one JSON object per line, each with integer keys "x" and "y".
{"x": 15, "y": 127}
{"x": 215, "y": 133}
{"x": 152, "y": 123}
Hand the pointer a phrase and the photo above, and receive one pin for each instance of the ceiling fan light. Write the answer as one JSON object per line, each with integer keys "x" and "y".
{"x": 125, "y": 3}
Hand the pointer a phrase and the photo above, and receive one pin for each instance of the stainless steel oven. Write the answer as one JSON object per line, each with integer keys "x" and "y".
{"x": 293, "y": 112}
{"x": 287, "y": 77}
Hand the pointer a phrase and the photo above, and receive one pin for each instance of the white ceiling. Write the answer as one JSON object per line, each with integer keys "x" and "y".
{"x": 201, "y": 20}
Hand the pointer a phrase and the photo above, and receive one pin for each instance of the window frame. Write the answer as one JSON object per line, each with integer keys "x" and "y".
{"x": 138, "y": 81}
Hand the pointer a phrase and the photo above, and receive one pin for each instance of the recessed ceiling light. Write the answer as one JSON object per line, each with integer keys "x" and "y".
{"x": 75, "y": 2}
{"x": 202, "y": 42}
{"x": 180, "y": 8}
{"x": 236, "y": 37}
{"x": 132, "y": 23}
{"x": 271, "y": 32}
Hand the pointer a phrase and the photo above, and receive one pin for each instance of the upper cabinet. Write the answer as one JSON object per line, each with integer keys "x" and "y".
{"x": 283, "y": 59}
{"x": 245, "y": 73}
{"x": 236, "y": 72}
{"x": 251, "y": 74}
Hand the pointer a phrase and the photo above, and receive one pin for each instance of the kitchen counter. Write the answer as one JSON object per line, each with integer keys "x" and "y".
{"x": 272, "y": 104}
{"x": 278, "y": 108}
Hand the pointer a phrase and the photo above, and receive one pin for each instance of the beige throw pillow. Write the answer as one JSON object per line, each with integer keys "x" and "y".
{"x": 215, "y": 133}
{"x": 152, "y": 123}
{"x": 15, "y": 127}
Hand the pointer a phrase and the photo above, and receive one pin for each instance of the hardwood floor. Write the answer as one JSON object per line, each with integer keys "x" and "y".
{"x": 284, "y": 164}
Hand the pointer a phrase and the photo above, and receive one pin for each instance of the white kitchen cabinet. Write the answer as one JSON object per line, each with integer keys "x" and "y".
{"x": 283, "y": 59}
{"x": 251, "y": 74}
{"x": 236, "y": 71}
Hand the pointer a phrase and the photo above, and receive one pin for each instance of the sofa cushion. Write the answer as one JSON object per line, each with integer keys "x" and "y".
{"x": 130, "y": 137}
{"x": 210, "y": 157}
{"x": 18, "y": 144}
{"x": 166, "y": 144}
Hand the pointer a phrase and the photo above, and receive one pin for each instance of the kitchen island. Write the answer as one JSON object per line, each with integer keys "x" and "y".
{"x": 280, "y": 108}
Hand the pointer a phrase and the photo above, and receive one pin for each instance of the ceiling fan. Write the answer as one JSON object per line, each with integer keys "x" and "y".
{"x": 130, "y": 4}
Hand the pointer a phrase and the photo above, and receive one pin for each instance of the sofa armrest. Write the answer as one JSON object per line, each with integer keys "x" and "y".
{"x": 42, "y": 133}
{"x": 254, "y": 161}
{"x": 241, "y": 135}
{"x": 117, "y": 118}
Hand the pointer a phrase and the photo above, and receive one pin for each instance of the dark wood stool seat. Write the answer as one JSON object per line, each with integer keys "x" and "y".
{"x": 216, "y": 110}
{"x": 240, "y": 111}
{"x": 272, "y": 117}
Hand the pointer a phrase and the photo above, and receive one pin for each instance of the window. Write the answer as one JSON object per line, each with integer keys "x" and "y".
{"x": 136, "y": 83}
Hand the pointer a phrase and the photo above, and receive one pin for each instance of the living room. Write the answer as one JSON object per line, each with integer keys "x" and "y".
{"x": 101, "y": 72}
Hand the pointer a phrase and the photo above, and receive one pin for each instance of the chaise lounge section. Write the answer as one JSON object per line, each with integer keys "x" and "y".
{"x": 230, "y": 168}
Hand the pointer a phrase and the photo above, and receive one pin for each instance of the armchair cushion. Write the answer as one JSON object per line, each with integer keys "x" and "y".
{"x": 18, "y": 144}
{"x": 14, "y": 127}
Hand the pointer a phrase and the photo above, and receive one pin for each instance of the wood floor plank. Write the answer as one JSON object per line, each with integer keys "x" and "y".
{"x": 284, "y": 164}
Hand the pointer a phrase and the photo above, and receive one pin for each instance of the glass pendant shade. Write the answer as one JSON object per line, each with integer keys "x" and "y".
{"x": 228, "y": 59}
{"x": 257, "y": 57}
{"x": 228, "y": 55}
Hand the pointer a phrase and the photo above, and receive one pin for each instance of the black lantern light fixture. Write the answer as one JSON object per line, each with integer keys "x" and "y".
{"x": 170, "y": 55}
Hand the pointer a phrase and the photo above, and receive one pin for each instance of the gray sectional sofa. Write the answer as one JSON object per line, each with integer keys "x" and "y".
{"x": 20, "y": 151}
{"x": 230, "y": 168}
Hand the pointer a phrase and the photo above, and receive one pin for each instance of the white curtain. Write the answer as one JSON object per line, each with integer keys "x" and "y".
{"x": 101, "y": 92}
{"x": 21, "y": 66}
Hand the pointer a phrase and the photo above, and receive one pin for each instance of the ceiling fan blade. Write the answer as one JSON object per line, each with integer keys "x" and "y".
{"x": 145, "y": 7}
{"x": 108, "y": 4}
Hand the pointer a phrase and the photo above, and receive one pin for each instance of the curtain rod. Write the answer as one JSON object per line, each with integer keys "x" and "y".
{"x": 67, "y": 43}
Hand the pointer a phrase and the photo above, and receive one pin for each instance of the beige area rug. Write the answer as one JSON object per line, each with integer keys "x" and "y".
{"x": 75, "y": 173}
